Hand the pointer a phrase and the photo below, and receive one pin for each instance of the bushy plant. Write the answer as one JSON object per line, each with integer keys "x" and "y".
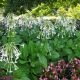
{"x": 42, "y": 10}
{"x": 62, "y": 71}
{"x": 20, "y": 6}
{"x": 71, "y": 12}
{"x": 50, "y": 10}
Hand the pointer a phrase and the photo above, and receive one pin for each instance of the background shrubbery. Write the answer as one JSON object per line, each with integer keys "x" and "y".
{"x": 50, "y": 10}
{"x": 43, "y": 7}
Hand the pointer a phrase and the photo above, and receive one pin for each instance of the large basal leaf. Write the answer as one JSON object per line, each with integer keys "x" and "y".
{"x": 70, "y": 43}
{"x": 54, "y": 55}
{"x": 42, "y": 60}
{"x": 18, "y": 74}
{"x": 67, "y": 51}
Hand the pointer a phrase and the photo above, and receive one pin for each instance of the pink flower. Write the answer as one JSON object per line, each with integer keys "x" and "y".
{"x": 62, "y": 71}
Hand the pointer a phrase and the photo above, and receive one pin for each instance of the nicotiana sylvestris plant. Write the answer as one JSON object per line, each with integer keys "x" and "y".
{"x": 9, "y": 52}
{"x": 46, "y": 28}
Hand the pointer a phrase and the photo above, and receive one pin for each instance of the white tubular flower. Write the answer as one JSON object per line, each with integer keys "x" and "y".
{"x": 20, "y": 22}
{"x": 15, "y": 67}
{"x": 9, "y": 50}
{"x": 1, "y": 59}
{"x": 10, "y": 68}
{"x": 68, "y": 23}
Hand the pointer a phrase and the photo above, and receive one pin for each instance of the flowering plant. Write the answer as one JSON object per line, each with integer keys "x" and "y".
{"x": 9, "y": 53}
{"x": 39, "y": 41}
{"x": 62, "y": 71}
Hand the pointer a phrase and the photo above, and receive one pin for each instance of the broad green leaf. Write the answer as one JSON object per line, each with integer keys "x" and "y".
{"x": 42, "y": 60}
{"x": 67, "y": 51}
{"x": 55, "y": 54}
{"x": 70, "y": 43}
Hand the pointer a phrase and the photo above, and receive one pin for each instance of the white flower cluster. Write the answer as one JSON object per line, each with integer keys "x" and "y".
{"x": 9, "y": 54}
{"x": 47, "y": 28}
{"x": 67, "y": 22}
{"x": 9, "y": 22}
{"x": 28, "y": 22}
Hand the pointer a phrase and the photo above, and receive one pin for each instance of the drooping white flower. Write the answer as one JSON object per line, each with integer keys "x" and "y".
{"x": 9, "y": 50}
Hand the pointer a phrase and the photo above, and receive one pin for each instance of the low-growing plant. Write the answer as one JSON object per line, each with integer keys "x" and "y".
{"x": 62, "y": 71}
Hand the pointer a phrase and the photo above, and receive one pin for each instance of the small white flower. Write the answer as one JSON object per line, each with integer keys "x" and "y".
{"x": 15, "y": 67}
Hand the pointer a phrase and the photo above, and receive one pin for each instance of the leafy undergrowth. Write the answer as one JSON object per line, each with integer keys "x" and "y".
{"x": 39, "y": 42}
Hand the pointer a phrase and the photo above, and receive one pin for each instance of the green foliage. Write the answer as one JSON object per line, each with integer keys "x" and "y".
{"x": 41, "y": 10}
{"x": 2, "y": 3}
{"x": 36, "y": 53}
{"x": 73, "y": 12}
{"x": 50, "y": 8}
{"x": 20, "y": 75}
{"x": 20, "y": 6}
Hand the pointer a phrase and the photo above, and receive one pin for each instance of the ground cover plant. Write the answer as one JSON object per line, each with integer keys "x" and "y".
{"x": 40, "y": 42}
{"x": 62, "y": 71}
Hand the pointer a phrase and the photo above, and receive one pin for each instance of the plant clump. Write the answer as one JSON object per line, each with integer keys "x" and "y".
{"x": 62, "y": 71}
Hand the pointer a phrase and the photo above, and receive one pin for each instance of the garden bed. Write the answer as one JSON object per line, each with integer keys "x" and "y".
{"x": 28, "y": 45}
